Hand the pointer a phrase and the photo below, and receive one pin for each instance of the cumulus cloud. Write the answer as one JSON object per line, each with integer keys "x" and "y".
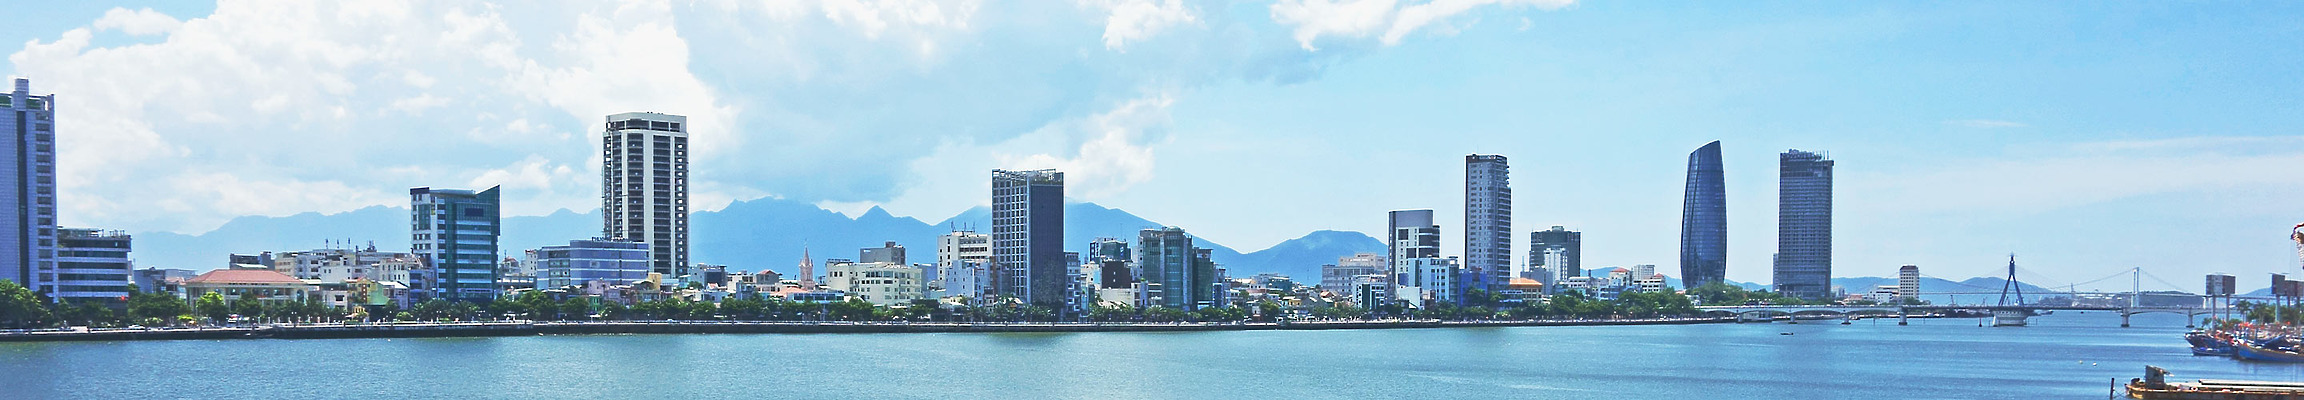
{"x": 1393, "y": 19}
{"x": 315, "y": 106}
{"x": 284, "y": 107}
{"x": 138, "y": 22}
{"x": 1137, "y": 20}
{"x": 1115, "y": 150}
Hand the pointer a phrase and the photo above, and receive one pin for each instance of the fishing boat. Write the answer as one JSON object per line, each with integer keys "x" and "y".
{"x": 2155, "y": 386}
{"x": 2210, "y": 343}
{"x": 2281, "y": 349}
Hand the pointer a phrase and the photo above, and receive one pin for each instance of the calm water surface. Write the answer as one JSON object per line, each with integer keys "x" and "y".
{"x": 2066, "y": 355}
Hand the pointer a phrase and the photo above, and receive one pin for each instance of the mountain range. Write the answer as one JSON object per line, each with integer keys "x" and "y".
{"x": 750, "y": 235}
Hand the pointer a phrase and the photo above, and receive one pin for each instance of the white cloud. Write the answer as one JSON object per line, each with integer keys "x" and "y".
{"x": 1313, "y": 19}
{"x": 1137, "y": 20}
{"x": 139, "y": 22}
{"x": 289, "y": 97}
{"x": 1115, "y": 150}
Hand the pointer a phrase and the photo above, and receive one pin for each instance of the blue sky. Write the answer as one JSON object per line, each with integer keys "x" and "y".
{"x": 2087, "y": 137}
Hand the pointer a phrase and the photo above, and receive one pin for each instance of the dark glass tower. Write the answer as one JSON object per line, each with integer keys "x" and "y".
{"x": 1804, "y": 226}
{"x": 1704, "y": 220}
{"x": 1027, "y": 236}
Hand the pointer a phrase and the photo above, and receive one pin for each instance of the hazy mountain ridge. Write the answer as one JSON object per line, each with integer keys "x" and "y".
{"x": 747, "y": 235}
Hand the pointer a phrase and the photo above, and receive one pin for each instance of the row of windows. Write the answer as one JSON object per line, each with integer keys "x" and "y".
{"x": 93, "y": 254}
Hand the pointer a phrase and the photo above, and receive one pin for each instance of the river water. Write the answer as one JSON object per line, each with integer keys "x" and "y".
{"x": 2066, "y": 355}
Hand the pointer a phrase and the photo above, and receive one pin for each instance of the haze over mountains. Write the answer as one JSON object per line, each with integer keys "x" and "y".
{"x": 749, "y": 235}
{"x": 770, "y": 234}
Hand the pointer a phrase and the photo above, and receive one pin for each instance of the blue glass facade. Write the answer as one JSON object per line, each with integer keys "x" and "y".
{"x": 1804, "y": 226}
{"x": 1704, "y": 220}
{"x": 580, "y": 261}
{"x": 456, "y": 232}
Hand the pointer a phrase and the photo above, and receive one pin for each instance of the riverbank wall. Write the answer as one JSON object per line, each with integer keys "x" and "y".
{"x": 488, "y": 329}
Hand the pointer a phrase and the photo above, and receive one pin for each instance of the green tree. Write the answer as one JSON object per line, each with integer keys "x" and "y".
{"x": 211, "y": 305}
{"x": 20, "y": 307}
{"x": 156, "y": 309}
{"x": 577, "y": 308}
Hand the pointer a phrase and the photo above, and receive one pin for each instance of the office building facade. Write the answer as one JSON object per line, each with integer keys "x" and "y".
{"x": 1804, "y": 226}
{"x": 1704, "y": 220}
{"x": 456, "y": 233}
{"x": 616, "y": 261}
{"x": 1412, "y": 235}
{"x": 1908, "y": 283}
{"x": 890, "y": 253}
{"x": 1341, "y": 277}
{"x": 30, "y": 174}
{"x": 1175, "y": 273}
{"x": 1558, "y": 251}
{"x": 92, "y": 265}
{"x": 1028, "y": 235}
{"x": 644, "y": 186}
{"x": 1487, "y": 216}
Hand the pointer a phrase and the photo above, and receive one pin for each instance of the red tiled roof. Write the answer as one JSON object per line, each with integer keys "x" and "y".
{"x": 244, "y": 276}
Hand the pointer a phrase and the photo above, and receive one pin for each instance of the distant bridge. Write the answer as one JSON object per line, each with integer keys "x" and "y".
{"x": 1903, "y": 312}
{"x": 2010, "y": 290}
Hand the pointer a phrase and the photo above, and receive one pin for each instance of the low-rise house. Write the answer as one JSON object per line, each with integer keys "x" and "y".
{"x": 258, "y": 281}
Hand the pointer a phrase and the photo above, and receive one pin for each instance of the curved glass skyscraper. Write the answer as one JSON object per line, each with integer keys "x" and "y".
{"x": 1704, "y": 220}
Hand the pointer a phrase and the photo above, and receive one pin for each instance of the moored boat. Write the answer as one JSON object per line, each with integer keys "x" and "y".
{"x": 2269, "y": 350}
{"x": 2155, "y": 386}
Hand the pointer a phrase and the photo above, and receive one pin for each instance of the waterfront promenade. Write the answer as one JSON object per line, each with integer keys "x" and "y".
{"x": 533, "y": 328}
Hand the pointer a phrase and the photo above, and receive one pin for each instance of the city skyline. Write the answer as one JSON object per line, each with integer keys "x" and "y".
{"x": 1955, "y": 165}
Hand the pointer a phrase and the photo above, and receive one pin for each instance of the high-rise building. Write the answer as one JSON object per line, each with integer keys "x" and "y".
{"x": 1413, "y": 236}
{"x": 1487, "y": 216}
{"x": 1804, "y": 226}
{"x": 29, "y": 244}
{"x": 1176, "y": 274}
{"x": 1028, "y": 236}
{"x": 1559, "y": 250}
{"x": 1704, "y": 220}
{"x": 616, "y": 261}
{"x": 92, "y": 265}
{"x": 1908, "y": 283}
{"x": 890, "y": 253}
{"x": 644, "y": 186}
{"x": 456, "y": 232}
{"x": 1340, "y": 277}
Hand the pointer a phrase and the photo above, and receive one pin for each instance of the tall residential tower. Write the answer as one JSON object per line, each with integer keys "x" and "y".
{"x": 644, "y": 186}
{"x": 1704, "y": 220}
{"x": 29, "y": 241}
{"x": 1487, "y": 216}
{"x": 1028, "y": 236}
{"x": 1804, "y": 226}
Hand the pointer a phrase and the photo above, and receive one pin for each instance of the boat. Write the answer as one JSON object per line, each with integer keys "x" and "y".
{"x": 2155, "y": 386}
{"x": 2207, "y": 343}
{"x": 2281, "y": 349}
